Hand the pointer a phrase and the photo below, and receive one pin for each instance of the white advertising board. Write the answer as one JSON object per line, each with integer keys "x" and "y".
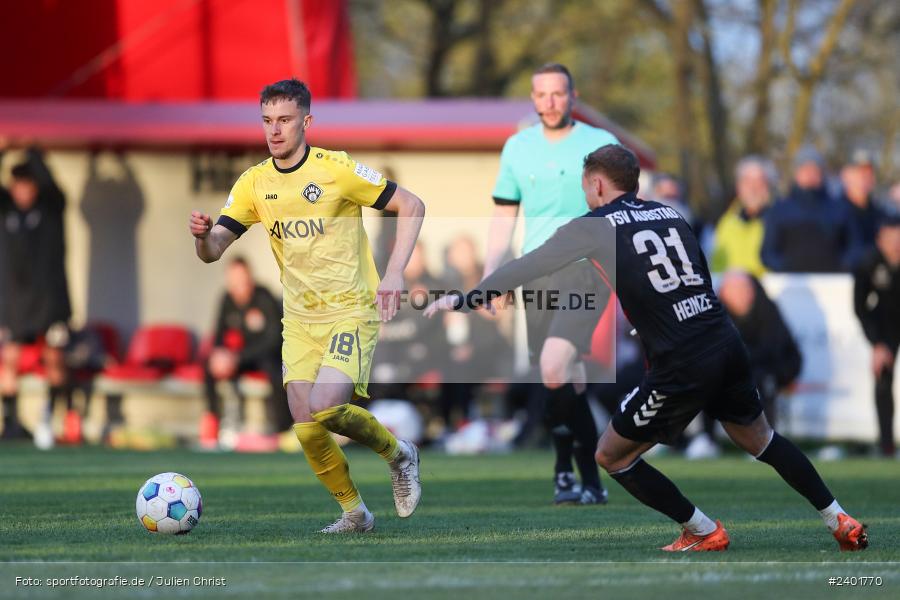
{"x": 834, "y": 397}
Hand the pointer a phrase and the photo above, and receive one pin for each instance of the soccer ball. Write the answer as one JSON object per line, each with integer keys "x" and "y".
{"x": 169, "y": 503}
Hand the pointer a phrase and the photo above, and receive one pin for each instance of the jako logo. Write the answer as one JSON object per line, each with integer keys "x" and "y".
{"x": 297, "y": 229}
{"x": 271, "y": 196}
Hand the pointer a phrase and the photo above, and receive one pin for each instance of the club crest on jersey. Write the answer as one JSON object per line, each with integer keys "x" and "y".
{"x": 312, "y": 193}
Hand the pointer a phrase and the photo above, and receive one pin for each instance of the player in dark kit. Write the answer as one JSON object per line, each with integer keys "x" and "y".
{"x": 697, "y": 361}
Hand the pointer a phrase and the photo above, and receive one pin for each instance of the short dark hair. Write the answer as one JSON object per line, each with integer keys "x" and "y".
{"x": 555, "y": 68}
{"x": 23, "y": 171}
{"x": 891, "y": 219}
{"x": 287, "y": 89}
{"x": 617, "y": 163}
{"x": 239, "y": 261}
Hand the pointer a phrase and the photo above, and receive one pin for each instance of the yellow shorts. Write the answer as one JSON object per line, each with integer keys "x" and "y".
{"x": 346, "y": 345}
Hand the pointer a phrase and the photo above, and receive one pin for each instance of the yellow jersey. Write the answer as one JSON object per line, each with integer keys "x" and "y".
{"x": 313, "y": 213}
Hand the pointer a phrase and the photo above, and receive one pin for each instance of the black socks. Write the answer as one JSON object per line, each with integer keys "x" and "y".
{"x": 655, "y": 490}
{"x": 578, "y": 438}
{"x": 796, "y": 470}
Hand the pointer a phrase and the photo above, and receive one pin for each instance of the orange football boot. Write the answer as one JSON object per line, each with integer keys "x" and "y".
{"x": 851, "y": 534}
{"x": 688, "y": 542}
{"x": 72, "y": 428}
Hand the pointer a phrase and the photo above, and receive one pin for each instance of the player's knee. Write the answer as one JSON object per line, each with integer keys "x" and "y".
{"x": 9, "y": 357}
{"x": 300, "y": 413}
{"x": 752, "y": 438}
{"x": 607, "y": 461}
{"x": 755, "y": 444}
{"x": 554, "y": 373}
{"x": 323, "y": 398}
{"x": 317, "y": 403}
{"x": 55, "y": 367}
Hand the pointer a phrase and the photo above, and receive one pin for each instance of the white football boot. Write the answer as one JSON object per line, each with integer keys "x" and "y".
{"x": 405, "y": 479}
{"x": 43, "y": 436}
{"x": 356, "y": 521}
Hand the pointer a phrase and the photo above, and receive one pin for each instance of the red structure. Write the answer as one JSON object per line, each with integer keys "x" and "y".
{"x": 187, "y": 73}
{"x": 459, "y": 124}
{"x": 173, "y": 50}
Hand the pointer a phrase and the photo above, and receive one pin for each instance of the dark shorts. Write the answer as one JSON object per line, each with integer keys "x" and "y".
{"x": 574, "y": 314}
{"x": 57, "y": 335}
{"x": 717, "y": 380}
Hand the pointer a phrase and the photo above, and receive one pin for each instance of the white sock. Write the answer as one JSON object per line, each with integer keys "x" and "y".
{"x": 361, "y": 509}
{"x": 700, "y": 524}
{"x": 830, "y": 515}
{"x": 401, "y": 454}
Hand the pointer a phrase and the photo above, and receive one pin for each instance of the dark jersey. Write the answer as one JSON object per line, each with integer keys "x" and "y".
{"x": 259, "y": 326}
{"x": 32, "y": 248}
{"x": 649, "y": 255}
{"x": 876, "y": 298}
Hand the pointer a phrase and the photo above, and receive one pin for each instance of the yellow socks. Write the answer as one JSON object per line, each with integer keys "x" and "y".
{"x": 359, "y": 425}
{"x": 329, "y": 463}
{"x": 326, "y": 458}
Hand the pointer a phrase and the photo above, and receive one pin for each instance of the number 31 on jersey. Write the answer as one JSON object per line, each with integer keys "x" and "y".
{"x": 665, "y": 277}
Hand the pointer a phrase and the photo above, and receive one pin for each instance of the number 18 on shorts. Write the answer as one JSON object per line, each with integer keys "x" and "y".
{"x": 345, "y": 345}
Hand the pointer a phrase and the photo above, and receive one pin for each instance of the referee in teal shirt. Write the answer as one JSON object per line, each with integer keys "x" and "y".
{"x": 540, "y": 172}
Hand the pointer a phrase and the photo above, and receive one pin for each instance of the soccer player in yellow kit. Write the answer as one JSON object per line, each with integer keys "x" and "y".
{"x": 309, "y": 200}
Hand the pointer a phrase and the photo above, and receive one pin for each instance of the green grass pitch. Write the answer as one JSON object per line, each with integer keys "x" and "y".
{"x": 485, "y": 527}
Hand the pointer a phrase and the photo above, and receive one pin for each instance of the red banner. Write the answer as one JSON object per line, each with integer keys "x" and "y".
{"x": 174, "y": 49}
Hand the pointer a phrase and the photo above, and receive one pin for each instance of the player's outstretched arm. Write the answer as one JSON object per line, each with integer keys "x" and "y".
{"x": 575, "y": 240}
{"x": 451, "y": 302}
{"x": 210, "y": 240}
{"x": 411, "y": 211}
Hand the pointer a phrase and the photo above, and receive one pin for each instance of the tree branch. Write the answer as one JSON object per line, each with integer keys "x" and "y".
{"x": 787, "y": 35}
{"x": 657, "y": 12}
{"x": 817, "y": 66}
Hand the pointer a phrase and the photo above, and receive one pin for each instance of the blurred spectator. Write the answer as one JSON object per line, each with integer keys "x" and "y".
{"x": 410, "y": 349}
{"x": 739, "y": 233}
{"x": 857, "y": 193}
{"x": 808, "y": 231}
{"x": 893, "y": 204}
{"x": 774, "y": 355}
{"x": 247, "y": 338}
{"x": 478, "y": 350}
{"x": 630, "y": 365}
{"x": 775, "y": 358}
{"x": 667, "y": 189}
{"x": 36, "y": 306}
{"x": 877, "y": 302}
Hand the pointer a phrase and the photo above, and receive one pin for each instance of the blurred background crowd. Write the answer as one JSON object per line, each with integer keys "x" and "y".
{"x": 771, "y": 126}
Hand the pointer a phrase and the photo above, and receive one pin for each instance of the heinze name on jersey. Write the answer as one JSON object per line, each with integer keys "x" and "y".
{"x": 687, "y": 308}
{"x": 297, "y": 229}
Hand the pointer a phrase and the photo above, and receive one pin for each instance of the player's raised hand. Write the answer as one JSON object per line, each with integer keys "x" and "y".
{"x": 387, "y": 299}
{"x": 200, "y": 224}
{"x": 452, "y": 302}
{"x": 447, "y": 302}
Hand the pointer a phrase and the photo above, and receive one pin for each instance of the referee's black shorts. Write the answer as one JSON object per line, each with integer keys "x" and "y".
{"x": 573, "y": 316}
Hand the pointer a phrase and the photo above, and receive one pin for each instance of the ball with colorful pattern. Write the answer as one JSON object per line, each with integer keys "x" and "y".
{"x": 169, "y": 503}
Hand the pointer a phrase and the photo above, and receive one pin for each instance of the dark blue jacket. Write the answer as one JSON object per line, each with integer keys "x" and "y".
{"x": 865, "y": 221}
{"x": 809, "y": 232}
